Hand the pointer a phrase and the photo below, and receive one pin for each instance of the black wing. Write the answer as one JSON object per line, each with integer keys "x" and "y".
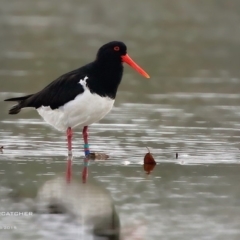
{"x": 56, "y": 94}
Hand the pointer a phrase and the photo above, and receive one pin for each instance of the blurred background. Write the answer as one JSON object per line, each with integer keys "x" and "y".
{"x": 190, "y": 105}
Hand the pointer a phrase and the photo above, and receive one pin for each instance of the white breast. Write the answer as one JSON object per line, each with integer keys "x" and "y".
{"x": 84, "y": 110}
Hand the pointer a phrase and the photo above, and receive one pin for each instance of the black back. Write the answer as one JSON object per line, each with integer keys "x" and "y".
{"x": 104, "y": 76}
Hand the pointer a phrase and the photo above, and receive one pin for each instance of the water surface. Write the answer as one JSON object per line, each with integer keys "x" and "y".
{"x": 190, "y": 106}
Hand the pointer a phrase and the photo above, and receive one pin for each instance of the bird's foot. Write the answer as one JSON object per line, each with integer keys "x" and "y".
{"x": 97, "y": 156}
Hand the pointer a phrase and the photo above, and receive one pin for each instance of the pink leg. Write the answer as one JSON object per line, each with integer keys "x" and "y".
{"x": 69, "y": 139}
{"x": 85, "y": 138}
{"x": 69, "y": 160}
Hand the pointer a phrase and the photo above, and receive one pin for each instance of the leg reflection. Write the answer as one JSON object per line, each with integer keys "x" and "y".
{"x": 85, "y": 169}
{"x": 69, "y": 170}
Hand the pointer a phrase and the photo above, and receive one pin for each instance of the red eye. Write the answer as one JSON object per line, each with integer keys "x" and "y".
{"x": 116, "y": 48}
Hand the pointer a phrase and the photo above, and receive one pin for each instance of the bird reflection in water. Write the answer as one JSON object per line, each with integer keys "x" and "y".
{"x": 86, "y": 202}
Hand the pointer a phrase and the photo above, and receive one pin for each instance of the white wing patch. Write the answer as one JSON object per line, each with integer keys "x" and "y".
{"x": 83, "y": 82}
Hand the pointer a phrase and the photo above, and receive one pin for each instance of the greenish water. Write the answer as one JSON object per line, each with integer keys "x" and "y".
{"x": 191, "y": 105}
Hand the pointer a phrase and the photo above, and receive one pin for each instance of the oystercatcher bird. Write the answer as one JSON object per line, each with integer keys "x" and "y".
{"x": 83, "y": 96}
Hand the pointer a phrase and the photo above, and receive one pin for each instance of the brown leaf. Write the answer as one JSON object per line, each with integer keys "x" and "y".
{"x": 149, "y": 162}
{"x": 148, "y": 159}
{"x": 148, "y": 167}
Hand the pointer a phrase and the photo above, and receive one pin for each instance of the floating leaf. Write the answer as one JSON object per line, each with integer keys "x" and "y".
{"x": 149, "y": 162}
{"x": 148, "y": 159}
{"x": 148, "y": 167}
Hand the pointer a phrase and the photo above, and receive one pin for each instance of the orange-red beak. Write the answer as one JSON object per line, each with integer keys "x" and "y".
{"x": 129, "y": 61}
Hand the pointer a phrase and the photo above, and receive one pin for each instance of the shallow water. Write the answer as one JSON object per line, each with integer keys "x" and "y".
{"x": 190, "y": 106}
